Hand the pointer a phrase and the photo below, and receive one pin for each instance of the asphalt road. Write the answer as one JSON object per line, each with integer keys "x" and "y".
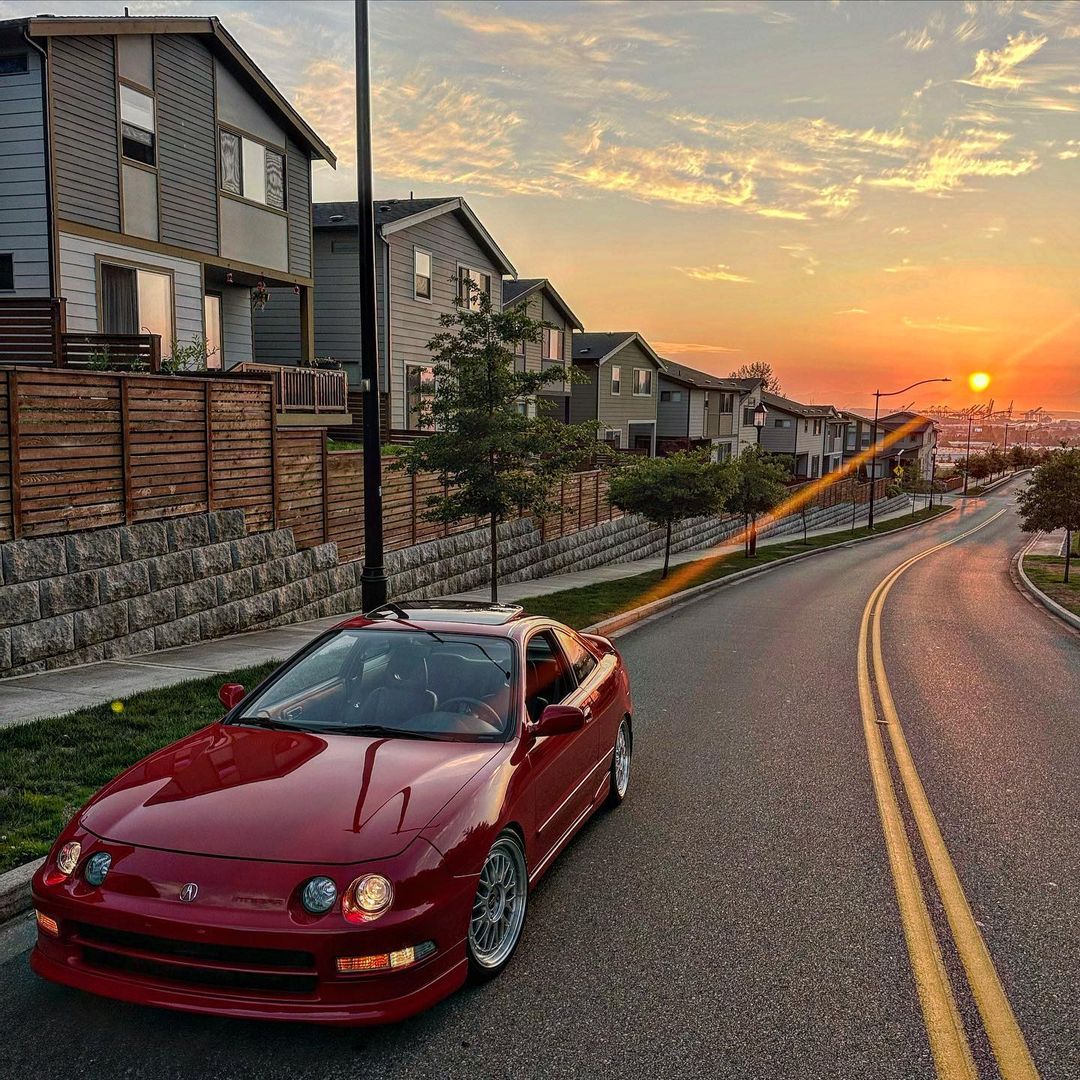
{"x": 737, "y": 916}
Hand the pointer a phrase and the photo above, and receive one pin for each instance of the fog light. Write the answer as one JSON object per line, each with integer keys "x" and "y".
{"x": 47, "y": 924}
{"x": 394, "y": 961}
{"x": 367, "y": 898}
{"x": 319, "y": 895}
{"x": 97, "y": 867}
{"x": 348, "y": 965}
{"x": 68, "y": 858}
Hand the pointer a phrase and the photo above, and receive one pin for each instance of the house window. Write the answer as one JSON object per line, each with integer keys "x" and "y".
{"x": 553, "y": 340}
{"x": 642, "y": 382}
{"x": 419, "y": 384}
{"x": 815, "y": 466}
{"x": 252, "y": 170}
{"x": 706, "y": 399}
{"x": 7, "y": 273}
{"x": 671, "y": 395}
{"x": 727, "y": 403}
{"x": 613, "y": 436}
{"x": 781, "y": 423}
{"x": 214, "y": 334}
{"x": 748, "y": 416}
{"x": 616, "y": 380}
{"x": 137, "y": 301}
{"x": 137, "y": 126}
{"x": 817, "y": 427}
{"x": 14, "y": 64}
{"x": 421, "y": 274}
{"x": 471, "y": 285}
{"x": 723, "y": 452}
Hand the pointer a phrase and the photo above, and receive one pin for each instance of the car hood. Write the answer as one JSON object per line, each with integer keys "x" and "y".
{"x": 284, "y": 796}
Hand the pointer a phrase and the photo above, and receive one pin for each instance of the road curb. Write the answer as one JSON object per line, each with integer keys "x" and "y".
{"x": 619, "y": 624}
{"x": 15, "y": 889}
{"x": 991, "y": 488}
{"x": 1051, "y": 605}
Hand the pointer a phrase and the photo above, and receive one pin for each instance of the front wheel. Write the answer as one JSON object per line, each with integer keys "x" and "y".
{"x": 498, "y": 912}
{"x": 620, "y": 764}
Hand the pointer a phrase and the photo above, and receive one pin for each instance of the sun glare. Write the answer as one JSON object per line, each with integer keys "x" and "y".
{"x": 978, "y": 381}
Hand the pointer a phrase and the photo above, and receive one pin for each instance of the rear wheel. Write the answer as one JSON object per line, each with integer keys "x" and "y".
{"x": 498, "y": 912}
{"x": 620, "y": 764}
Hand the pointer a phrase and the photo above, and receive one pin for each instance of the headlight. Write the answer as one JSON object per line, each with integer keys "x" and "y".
{"x": 68, "y": 858}
{"x": 318, "y": 895}
{"x": 367, "y": 898}
{"x": 97, "y": 866}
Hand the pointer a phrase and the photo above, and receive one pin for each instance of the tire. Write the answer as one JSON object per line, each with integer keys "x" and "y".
{"x": 620, "y": 764}
{"x": 498, "y": 913}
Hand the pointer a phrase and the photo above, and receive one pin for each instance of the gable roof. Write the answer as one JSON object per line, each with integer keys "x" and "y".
{"x": 601, "y": 347}
{"x": 906, "y": 416}
{"x": 393, "y": 215}
{"x": 220, "y": 42}
{"x": 699, "y": 380}
{"x": 513, "y": 291}
{"x": 796, "y": 408}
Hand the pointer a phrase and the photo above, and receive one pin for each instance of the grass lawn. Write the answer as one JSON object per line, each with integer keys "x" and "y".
{"x": 49, "y": 768}
{"x": 593, "y": 603}
{"x": 1045, "y": 572}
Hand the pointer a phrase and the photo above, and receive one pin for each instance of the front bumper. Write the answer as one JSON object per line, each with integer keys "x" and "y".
{"x": 134, "y": 940}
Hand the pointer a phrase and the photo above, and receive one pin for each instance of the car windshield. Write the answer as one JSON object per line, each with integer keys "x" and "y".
{"x": 395, "y": 683}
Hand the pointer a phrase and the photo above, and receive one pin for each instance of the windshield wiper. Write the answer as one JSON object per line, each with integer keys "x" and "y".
{"x": 380, "y": 729}
{"x": 264, "y": 722}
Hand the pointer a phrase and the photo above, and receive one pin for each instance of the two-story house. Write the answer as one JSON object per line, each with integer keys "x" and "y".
{"x": 544, "y": 304}
{"x": 697, "y": 409}
{"x": 619, "y": 388}
{"x": 152, "y": 177}
{"x": 801, "y": 433}
{"x": 427, "y": 251}
{"x": 902, "y": 438}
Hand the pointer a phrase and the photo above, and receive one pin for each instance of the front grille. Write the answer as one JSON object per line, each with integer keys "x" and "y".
{"x": 236, "y": 967}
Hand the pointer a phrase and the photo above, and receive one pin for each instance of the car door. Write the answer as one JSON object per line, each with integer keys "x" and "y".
{"x": 561, "y": 764}
{"x": 598, "y": 686}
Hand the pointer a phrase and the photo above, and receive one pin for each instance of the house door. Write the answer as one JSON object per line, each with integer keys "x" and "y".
{"x": 641, "y": 437}
{"x": 215, "y": 339}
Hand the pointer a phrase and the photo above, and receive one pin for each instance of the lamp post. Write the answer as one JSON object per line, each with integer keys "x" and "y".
{"x": 760, "y": 413}
{"x": 373, "y": 576}
{"x": 878, "y": 395}
{"x": 967, "y": 453}
{"x": 933, "y": 469}
{"x": 1005, "y": 440}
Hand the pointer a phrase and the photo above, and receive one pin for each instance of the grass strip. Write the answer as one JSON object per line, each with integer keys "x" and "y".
{"x": 1045, "y": 573}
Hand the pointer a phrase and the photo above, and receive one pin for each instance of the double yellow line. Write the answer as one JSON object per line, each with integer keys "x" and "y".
{"x": 948, "y": 1040}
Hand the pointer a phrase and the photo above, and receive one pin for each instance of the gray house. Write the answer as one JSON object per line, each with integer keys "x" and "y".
{"x": 697, "y": 409}
{"x": 544, "y": 304}
{"x": 151, "y": 176}
{"x": 426, "y": 250}
{"x": 620, "y": 392}
{"x": 810, "y": 435}
{"x": 903, "y": 439}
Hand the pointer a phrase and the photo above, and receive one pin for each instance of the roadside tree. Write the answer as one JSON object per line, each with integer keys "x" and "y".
{"x": 493, "y": 459}
{"x": 979, "y": 467}
{"x": 1051, "y": 499}
{"x": 671, "y": 489}
{"x": 759, "y": 487}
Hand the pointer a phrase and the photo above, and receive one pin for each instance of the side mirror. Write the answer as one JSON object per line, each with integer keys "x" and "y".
{"x": 231, "y": 694}
{"x": 559, "y": 720}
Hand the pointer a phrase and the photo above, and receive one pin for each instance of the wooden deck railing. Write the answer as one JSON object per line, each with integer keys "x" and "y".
{"x": 33, "y": 331}
{"x": 308, "y": 390}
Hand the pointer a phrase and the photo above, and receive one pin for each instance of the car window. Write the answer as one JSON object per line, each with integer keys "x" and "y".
{"x": 581, "y": 660}
{"x": 548, "y": 680}
{"x": 325, "y": 664}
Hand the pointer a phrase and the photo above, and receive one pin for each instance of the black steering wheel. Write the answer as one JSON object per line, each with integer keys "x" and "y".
{"x": 474, "y": 707}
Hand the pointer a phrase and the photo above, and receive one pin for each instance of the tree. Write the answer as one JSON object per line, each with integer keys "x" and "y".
{"x": 759, "y": 369}
{"x": 759, "y": 486}
{"x": 493, "y": 459}
{"x": 1018, "y": 457}
{"x": 671, "y": 489}
{"x": 979, "y": 467}
{"x": 997, "y": 461}
{"x": 1051, "y": 499}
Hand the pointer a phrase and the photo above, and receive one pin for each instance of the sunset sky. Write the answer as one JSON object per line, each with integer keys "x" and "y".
{"x": 862, "y": 194}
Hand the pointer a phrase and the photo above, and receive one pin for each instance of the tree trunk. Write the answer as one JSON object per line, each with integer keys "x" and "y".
{"x": 1068, "y": 554}
{"x": 753, "y": 537}
{"x": 746, "y": 536}
{"x": 667, "y": 551}
{"x": 494, "y": 559}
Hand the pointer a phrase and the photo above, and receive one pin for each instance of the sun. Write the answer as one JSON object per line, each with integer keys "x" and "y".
{"x": 978, "y": 381}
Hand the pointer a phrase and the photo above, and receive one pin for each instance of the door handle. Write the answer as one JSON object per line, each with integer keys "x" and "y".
{"x": 586, "y": 711}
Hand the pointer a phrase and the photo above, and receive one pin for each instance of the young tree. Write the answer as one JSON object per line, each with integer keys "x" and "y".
{"x": 1051, "y": 498}
{"x": 671, "y": 489}
{"x": 494, "y": 460}
{"x": 979, "y": 467}
{"x": 759, "y": 369}
{"x": 996, "y": 460}
{"x": 1018, "y": 457}
{"x": 759, "y": 486}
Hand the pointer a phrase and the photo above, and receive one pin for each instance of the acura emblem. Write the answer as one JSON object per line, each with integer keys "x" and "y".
{"x": 189, "y": 892}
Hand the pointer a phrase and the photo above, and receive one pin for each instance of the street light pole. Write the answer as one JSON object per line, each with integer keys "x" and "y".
{"x": 933, "y": 468}
{"x": 878, "y": 395}
{"x": 373, "y": 584}
{"x": 967, "y": 453}
{"x": 1006, "y": 442}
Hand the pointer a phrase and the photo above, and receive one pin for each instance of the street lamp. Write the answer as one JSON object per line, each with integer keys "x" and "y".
{"x": 878, "y": 395}
{"x": 967, "y": 453}
{"x": 933, "y": 468}
{"x": 759, "y": 419}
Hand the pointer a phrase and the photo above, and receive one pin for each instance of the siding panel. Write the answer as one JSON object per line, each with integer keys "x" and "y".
{"x": 184, "y": 76}
{"x": 298, "y": 171}
{"x": 276, "y": 329}
{"x": 85, "y": 150}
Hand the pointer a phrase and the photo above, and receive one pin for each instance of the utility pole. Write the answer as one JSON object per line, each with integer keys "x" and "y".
{"x": 967, "y": 454}
{"x": 373, "y": 576}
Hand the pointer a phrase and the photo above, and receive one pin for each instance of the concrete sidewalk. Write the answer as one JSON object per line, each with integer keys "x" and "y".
{"x": 52, "y": 693}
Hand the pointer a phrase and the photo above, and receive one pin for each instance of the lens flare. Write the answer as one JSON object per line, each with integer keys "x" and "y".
{"x": 117, "y": 706}
{"x": 978, "y": 381}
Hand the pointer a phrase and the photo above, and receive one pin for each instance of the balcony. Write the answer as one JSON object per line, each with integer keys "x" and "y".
{"x": 306, "y": 397}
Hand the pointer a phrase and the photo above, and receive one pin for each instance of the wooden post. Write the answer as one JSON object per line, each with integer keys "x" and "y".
{"x": 125, "y": 450}
{"x": 207, "y": 408}
{"x": 274, "y": 451}
{"x": 412, "y": 501}
{"x": 307, "y": 325}
{"x": 562, "y": 507}
{"x": 580, "y": 500}
{"x": 155, "y": 354}
{"x": 16, "y": 464}
{"x": 58, "y": 317}
{"x": 325, "y": 489}
{"x": 596, "y": 498}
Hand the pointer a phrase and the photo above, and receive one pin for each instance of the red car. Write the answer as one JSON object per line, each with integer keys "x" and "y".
{"x": 355, "y": 837}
